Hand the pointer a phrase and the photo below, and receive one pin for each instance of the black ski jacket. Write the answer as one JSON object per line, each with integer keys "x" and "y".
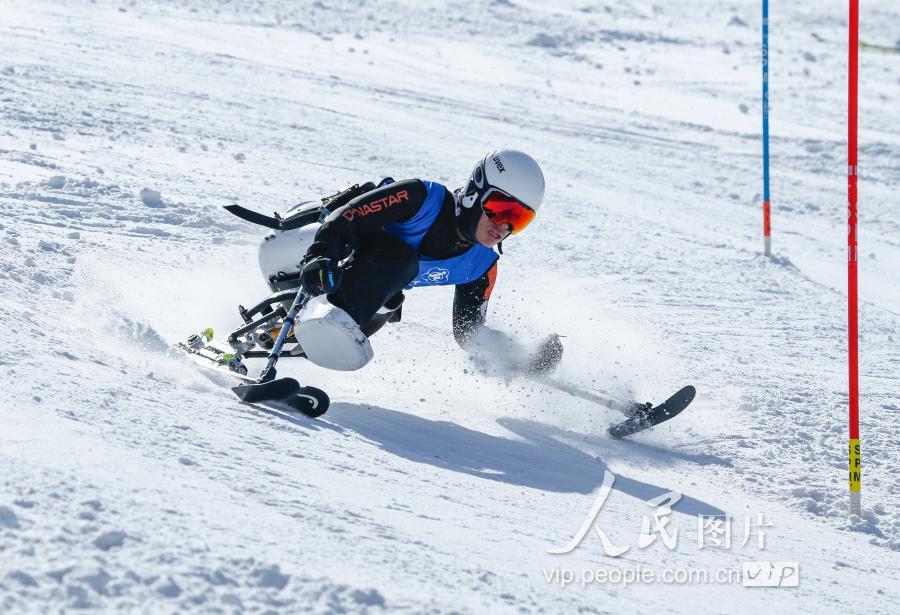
{"x": 339, "y": 234}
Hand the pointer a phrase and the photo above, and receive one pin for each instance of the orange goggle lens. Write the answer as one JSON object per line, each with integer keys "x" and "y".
{"x": 503, "y": 209}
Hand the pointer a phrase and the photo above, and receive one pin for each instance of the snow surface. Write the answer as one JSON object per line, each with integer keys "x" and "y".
{"x": 132, "y": 481}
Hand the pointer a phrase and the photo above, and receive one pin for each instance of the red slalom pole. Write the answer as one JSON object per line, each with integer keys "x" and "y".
{"x": 767, "y": 208}
{"x": 855, "y": 468}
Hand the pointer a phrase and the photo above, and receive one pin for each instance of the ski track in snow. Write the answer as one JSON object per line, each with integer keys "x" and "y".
{"x": 131, "y": 481}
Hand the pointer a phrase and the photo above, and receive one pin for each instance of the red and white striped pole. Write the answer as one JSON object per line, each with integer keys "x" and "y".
{"x": 855, "y": 468}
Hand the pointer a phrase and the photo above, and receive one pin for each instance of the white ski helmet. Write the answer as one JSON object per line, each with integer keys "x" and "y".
{"x": 501, "y": 174}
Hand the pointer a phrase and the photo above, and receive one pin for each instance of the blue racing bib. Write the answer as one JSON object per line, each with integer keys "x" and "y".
{"x": 459, "y": 269}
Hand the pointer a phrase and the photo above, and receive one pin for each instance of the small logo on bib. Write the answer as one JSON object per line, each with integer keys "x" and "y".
{"x": 435, "y": 275}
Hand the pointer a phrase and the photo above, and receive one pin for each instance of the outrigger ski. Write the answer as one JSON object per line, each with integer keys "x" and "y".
{"x": 284, "y": 393}
{"x": 644, "y": 416}
{"x": 639, "y": 416}
{"x": 227, "y": 357}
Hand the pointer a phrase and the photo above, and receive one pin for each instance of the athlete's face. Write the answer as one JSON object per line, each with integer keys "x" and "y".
{"x": 489, "y": 234}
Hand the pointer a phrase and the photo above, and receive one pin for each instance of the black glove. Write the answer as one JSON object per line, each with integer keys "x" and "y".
{"x": 547, "y": 356}
{"x": 321, "y": 276}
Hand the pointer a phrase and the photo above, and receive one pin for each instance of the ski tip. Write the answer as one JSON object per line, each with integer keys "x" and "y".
{"x": 681, "y": 400}
{"x": 687, "y": 393}
{"x": 312, "y": 402}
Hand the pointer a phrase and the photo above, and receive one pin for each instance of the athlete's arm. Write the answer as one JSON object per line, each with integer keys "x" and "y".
{"x": 470, "y": 306}
{"x": 495, "y": 347}
{"x": 393, "y": 203}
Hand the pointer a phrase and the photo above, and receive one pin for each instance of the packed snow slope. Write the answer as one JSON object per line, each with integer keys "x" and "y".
{"x": 130, "y": 480}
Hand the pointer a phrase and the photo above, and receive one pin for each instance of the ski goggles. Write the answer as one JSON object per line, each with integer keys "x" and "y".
{"x": 501, "y": 208}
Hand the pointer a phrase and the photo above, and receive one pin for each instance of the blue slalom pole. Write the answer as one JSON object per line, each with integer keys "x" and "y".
{"x": 767, "y": 215}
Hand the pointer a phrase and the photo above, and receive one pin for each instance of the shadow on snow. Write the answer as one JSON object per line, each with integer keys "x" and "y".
{"x": 538, "y": 460}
